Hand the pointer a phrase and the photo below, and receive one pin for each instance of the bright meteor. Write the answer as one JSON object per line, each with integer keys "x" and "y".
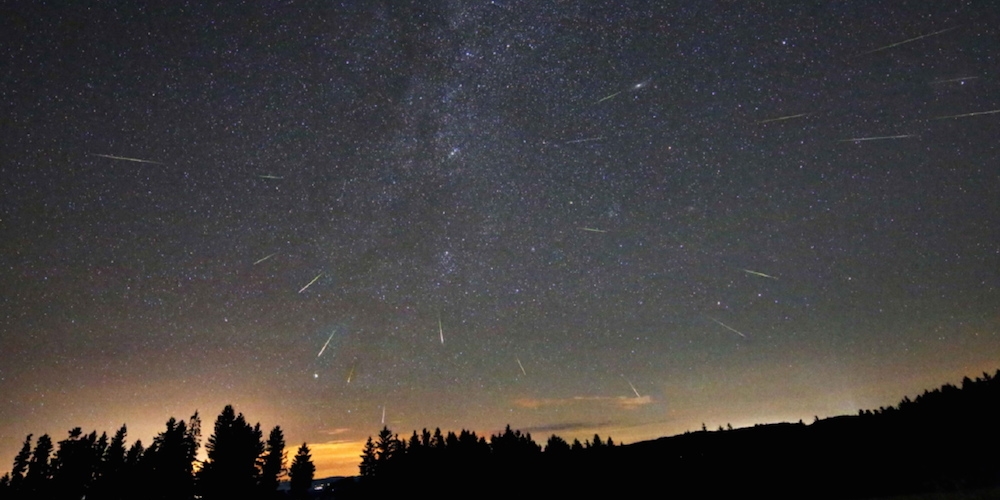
{"x": 782, "y": 118}
{"x": 310, "y": 283}
{"x": 324, "y": 348}
{"x": 632, "y": 386}
{"x": 762, "y": 275}
{"x": 727, "y": 327}
{"x": 262, "y": 259}
{"x": 908, "y": 40}
{"x": 964, "y": 115}
{"x": 125, "y": 158}
{"x": 441, "y": 330}
{"x": 589, "y": 139}
{"x": 878, "y": 138}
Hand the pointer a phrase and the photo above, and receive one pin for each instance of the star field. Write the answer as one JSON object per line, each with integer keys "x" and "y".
{"x": 626, "y": 218}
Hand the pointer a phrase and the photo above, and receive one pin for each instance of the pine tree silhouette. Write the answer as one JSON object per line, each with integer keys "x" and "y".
{"x": 110, "y": 479}
{"x": 171, "y": 460}
{"x": 16, "y": 484}
{"x": 233, "y": 450}
{"x": 556, "y": 445}
{"x": 301, "y": 473}
{"x": 369, "y": 465}
{"x": 38, "y": 477}
{"x": 273, "y": 463}
{"x": 74, "y": 465}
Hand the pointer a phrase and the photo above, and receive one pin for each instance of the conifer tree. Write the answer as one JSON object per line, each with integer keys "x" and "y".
{"x": 171, "y": 461}
{"x": 301, "y": 473}
{"x": 114, "y": 457}
{"x": 74, "y": 465}
{"x": 368, "y": 463}
{"x": 273, "y": 463}
{"x": 39, "y": 474}
{"x": 556, "y": 445}
{"x": 233, "y": 450}
{"x": 597, "y": 442}
{"x": 438, "y": 439}
{"x": 20, "y": 467}
{"x": 414, "y": 441}
{"x": 108, "y": 484}
{"x": 385, "y": 447}
{"x": 134, "y": 471}
{"x": 134, "y": 455}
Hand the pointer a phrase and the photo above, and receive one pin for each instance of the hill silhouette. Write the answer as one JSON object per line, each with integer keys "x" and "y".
{"x": 946, "y": 440}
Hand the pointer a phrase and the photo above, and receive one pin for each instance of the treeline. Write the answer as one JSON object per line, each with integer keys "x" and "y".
{"x": 240, "y": 464}
{"x": 390, "y": 459}
{"x": 510, "y": 462}
{"x": 942, "y": 441}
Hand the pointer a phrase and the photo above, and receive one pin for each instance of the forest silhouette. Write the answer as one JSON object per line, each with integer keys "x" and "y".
{"x": 239, "y": 465}
{"x": 945, "y": 442}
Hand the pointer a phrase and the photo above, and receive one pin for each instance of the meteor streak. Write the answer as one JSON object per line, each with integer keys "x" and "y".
{"x": 782, "y": 118}
{"x": 310, "y": 283}
{"x": 978, "y": 113}
{"x": 592, "y": 230}
{"x": 897, "y": 44}
{"x": 522, "y": 367}
{"x": 632, "y": 386}
{"x": 762, "y": 275}
{"x": 727, "y": 327}
{"x": 608, "y": 97}
{"x": 879, "y": 138}
{"x": 267, "y": 176}
{"x": 589, "y": 139}
{"x": 324, "y": 347}
{"x": 265, "y": 258}
{"x": 125, "y": 158}
{"x": 952, "y": 80}
{"x": 441, "y": 330}
{"x": 633, "y": 88}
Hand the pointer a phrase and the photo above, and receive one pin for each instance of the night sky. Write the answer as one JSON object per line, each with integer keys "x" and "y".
{"x": 624, "y": 218}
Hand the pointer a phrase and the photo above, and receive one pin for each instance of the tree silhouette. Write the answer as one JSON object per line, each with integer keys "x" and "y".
{"x": 134, "y": 456}
{"x": 75, "y": 463}
{"x": 109, "y": 483}
{"x": 171, "y": 458}
{"x": 273, "y": 463}
{"x": 233, "y": 450}
{"x": 438, "y": 439}
{"x": 36, "y": 480}
{"x": 597, "y": 442}
{"x": 16, "y": 483}
{"x": 301, "y": 473}
{"x": 369, "y": 465}
{"x": 386, "y": 446}
{"x": 556, "y": 445}
{"x": 414, "y": 441}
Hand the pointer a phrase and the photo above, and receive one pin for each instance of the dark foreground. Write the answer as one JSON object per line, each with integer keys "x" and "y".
{"x": 944, "y": 444}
